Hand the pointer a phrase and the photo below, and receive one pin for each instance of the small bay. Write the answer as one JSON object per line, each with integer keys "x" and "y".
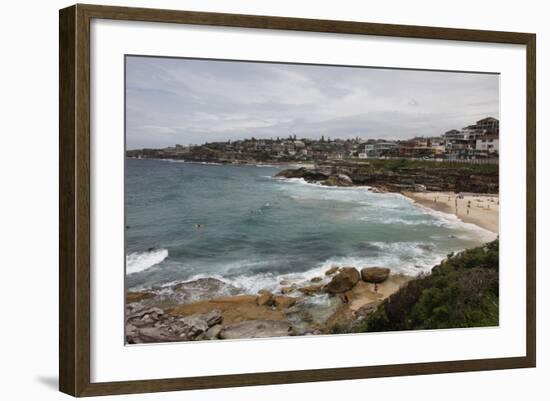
{"x": 239, "y": 224}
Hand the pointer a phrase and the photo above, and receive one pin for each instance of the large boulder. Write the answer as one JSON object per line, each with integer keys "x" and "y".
{"x": 338, "y": 180}
{"x": 375, "y": 274}
{"x": 256, "y": 329}
{"x": 344, "y": 281}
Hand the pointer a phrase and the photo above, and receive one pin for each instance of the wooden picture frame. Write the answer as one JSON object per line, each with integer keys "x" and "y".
{"x": 74, "y": 203}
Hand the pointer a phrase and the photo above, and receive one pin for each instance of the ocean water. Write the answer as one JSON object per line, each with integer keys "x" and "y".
{"x": 241, "y": 225}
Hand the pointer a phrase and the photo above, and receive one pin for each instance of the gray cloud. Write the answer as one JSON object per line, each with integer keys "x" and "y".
{"x": 190, "y": 101}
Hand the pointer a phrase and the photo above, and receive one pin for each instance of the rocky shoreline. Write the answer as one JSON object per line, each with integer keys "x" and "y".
{"x": 334, "y": 302}
{"x": 397, "y": 176}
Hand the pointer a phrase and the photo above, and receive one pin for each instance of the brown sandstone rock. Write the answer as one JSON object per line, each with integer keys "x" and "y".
{"x": 375, "y": 274}
{"x": 331, "y": 271}
{"x": 344, "y": 281}
{"x": 256, "y": 329}
{"x": 237, "y": 299}
{"x": 138, "y": 296}
{"x": 283, "y": 301}
{"x": 265, "y": 298}
{"x": 288, "y": 289}
{"x": 234, "y": 309}
{"x": 311, "y": 289}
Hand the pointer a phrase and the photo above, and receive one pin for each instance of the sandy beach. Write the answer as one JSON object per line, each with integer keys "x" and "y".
{"x": 479, "y": 209}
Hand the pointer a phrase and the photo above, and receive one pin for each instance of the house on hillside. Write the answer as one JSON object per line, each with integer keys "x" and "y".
{"x": 377, "y": 149}
{"x": 487, "y": 144}
{"x": 489, "y": 124}
{"x": 437, "y": 145}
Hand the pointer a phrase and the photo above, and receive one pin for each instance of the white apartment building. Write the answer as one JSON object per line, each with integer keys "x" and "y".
{"x": 487, "y": 143}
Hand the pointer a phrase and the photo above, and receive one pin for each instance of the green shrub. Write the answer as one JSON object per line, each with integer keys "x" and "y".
{"x": 462, "y": 291}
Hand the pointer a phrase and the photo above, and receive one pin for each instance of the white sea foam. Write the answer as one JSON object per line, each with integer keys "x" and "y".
{"x": 319, "y": 185}
{"x": 409, "y": 258}
{"x": 267, "y": 165}
{"x": 172, "y": 160}
{"x": 140, "y": 261}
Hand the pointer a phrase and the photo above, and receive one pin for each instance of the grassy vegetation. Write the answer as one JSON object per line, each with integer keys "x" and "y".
{"x": 462, "y": 291}
{"x": 398, "y": 164}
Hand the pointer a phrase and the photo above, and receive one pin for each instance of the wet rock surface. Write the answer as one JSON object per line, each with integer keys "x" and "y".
{"x": 184, "y": 312}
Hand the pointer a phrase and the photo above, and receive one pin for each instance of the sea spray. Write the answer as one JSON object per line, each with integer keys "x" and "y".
{"x": 140, "y": 261}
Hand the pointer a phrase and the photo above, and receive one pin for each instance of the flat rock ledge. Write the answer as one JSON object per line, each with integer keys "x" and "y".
{"x": 350, "y": 295}
{"x": 256, "y": 329}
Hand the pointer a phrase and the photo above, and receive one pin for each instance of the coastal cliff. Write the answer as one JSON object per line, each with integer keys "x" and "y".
{"x": 402, "y": 175}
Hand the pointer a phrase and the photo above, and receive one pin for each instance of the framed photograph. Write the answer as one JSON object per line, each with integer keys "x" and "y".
{"x": 249, "y": 200}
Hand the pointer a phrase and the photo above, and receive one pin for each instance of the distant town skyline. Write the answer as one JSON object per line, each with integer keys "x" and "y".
{"x": 192, "y": 101}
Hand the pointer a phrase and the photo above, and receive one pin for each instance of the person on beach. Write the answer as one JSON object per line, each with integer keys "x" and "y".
{"x": 376, "y": 287}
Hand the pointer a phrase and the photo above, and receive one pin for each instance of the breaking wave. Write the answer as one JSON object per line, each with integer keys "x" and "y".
{"x": 140, "y": 261}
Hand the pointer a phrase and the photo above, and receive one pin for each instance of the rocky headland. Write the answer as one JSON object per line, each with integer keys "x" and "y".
{"x": 401, "y": 175}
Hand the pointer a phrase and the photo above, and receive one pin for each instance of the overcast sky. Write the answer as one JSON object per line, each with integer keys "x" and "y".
{"x": 183, "y": 101}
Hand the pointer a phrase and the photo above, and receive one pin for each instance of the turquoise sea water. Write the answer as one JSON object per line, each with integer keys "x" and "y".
{"x": 239, "y": 224}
